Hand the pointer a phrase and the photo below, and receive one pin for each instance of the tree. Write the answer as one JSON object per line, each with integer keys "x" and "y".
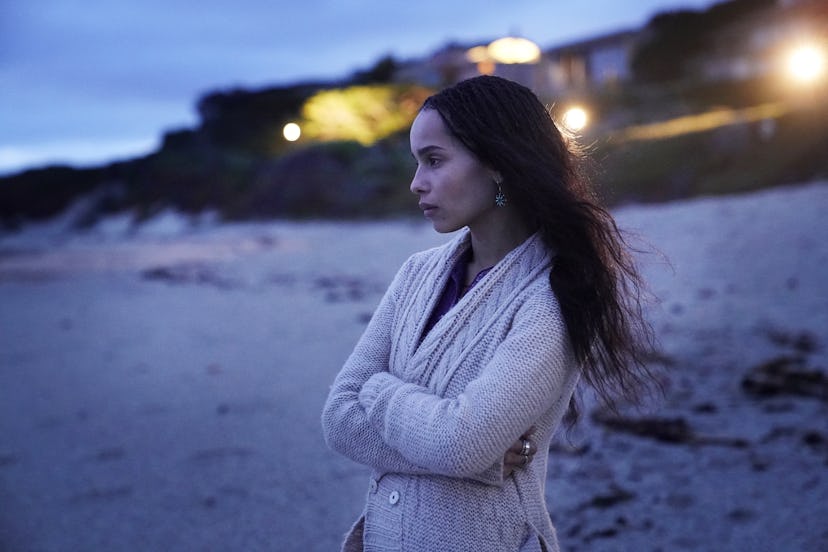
{"x": 251, "y": 121}
{"x": 381, "y": 73}
{"x": 363, "y": 114}
{"x": 673, "y": 39}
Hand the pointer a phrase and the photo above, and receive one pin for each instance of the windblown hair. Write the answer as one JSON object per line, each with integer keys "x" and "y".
{"x": 594, "y": 277}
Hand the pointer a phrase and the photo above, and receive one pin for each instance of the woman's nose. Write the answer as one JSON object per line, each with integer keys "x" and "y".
{"x": 417, "y": 183}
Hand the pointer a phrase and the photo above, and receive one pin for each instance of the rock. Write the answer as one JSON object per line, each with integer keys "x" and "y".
{"x": 706, "y": 408}
{"x": 785, "y": 375}
{"x": 815, "y": 440}
{"x": 188, "y": 274}
{"x": 616, "y": 495}
{"x": 665, "y": 430}
{"x": 802, "y": 342}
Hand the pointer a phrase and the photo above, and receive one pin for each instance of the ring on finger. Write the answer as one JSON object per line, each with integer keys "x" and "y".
{"x": 525, "y": 459}
{"x": 527, "y": 445}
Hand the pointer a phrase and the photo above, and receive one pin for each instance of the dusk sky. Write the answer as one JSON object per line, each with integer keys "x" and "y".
{"x": 88, "y": 81}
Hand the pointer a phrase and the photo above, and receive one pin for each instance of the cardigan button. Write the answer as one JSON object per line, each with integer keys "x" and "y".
{"x": 394, "y": 497}
{"x": 372, "y": 486}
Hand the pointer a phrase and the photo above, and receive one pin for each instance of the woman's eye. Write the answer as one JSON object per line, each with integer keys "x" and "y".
{"x": 433, "y": 161}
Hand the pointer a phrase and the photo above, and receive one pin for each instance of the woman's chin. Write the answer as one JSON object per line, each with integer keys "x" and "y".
{"x": 443, "y": 228}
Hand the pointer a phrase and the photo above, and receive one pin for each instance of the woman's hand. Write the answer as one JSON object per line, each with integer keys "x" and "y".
{"x": 519, "y": 454}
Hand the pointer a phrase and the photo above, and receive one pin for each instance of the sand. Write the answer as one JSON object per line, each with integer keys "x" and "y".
{"x": 161, "y": 384}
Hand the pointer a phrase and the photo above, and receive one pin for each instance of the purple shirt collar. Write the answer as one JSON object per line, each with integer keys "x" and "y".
{"x": 453, "y": 291}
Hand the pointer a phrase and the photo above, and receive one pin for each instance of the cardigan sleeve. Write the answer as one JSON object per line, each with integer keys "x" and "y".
{"x": 345, "y": 424}
{"x": 530, "y": 370}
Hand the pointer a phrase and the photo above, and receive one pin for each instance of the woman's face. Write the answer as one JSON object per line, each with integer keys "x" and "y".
{"x": 454, "y": 188}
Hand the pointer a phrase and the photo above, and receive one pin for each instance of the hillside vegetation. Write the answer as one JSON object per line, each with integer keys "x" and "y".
{"x": 666, "y": 135}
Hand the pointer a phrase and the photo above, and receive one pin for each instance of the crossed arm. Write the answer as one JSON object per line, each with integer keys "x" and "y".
{"x": 377, "y": 419}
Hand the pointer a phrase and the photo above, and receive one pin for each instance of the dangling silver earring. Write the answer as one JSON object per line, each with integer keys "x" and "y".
{"x": 500, "y": 197}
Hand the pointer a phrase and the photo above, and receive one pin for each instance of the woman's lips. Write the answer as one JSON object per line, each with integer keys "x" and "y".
{"x": 427, "y": 208}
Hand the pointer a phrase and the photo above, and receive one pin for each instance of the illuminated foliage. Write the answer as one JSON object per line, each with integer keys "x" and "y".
{"x": 363, "y": 114}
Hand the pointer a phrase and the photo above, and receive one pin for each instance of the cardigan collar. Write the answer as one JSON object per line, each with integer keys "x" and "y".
{"x": 505, "y": 280}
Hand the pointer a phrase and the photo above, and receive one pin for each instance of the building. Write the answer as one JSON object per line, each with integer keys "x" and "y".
{"x": 586, "y": 65}
{"x": 745, "y": 48}
{"x": 597, "y": 63}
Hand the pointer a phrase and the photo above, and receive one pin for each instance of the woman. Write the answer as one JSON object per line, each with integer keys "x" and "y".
{"x": 470, "y": 360}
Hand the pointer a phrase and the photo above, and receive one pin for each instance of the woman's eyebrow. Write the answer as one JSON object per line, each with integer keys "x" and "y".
{"x": 427, "y": 149}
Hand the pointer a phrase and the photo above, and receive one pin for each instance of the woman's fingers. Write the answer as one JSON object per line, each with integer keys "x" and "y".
{"x": 516, "y": 460}
{"x": 520, "y": 453}
{"x": 524, "y": 445}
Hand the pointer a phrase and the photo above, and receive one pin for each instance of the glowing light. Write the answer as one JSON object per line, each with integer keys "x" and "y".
{"x": 362, "y": 114}
{"x": 575, "y": 118}
{"x": 486, "y": 68}
{"x": 478, "y": 54}
{"x": 291, "y": 132}
{"x": 514, "y": 50}
{"x": 703, "y": 122}
{"x": 806, "y": 64}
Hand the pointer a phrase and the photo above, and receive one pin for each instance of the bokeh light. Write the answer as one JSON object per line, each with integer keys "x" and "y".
{"x": 806, "y": 63}
{"x": 512, "y": 49}
{"x": 575, "y": 118}
{"x": 291, "y": 132}
{"x": 478, "y": 54}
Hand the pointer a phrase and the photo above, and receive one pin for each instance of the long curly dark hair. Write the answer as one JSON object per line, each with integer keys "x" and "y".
{"x": 594, "y": 276}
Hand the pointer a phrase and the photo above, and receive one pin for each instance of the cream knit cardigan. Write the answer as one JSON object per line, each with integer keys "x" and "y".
{"x": 433, "y": 419}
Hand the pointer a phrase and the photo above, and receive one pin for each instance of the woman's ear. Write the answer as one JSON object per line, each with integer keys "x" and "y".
{"x": 496, "y": 176}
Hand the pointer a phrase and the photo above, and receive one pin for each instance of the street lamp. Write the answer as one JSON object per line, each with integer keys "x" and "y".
{"x": 479, "y": 55}
{"x": 806, "y": 63}
{"x": 515, "y": 53}
{"x": 575, "y": 118}
{"x": 291, "y": 132}
{"x": 513, "y": 49}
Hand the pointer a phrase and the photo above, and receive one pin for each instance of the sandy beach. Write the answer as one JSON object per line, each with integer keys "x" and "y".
{"x": 161, "y": 384}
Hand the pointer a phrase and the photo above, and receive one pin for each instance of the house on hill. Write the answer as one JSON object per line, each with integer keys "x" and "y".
{"x": 745, "y": 47}
{"x": 599, "y": 62}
